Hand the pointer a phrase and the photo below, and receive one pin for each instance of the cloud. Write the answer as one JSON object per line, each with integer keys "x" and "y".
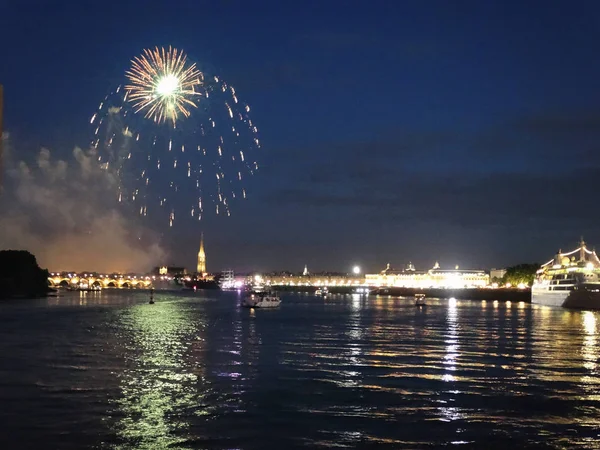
{"x": 513, "y": 172}
{"x": 466, "y": 200}
{"x": 65, "y": 213}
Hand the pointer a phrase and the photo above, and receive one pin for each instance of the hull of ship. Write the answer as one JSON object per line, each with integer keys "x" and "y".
{"x": 579, "y": 299}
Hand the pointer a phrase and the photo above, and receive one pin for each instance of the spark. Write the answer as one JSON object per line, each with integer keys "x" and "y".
{"x": 224, "y": 149}
{"x": 163, "y": 84}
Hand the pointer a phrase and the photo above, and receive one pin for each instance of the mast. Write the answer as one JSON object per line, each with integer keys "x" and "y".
{"x": 582, "y": 250}
{"x": 1, "y": 150}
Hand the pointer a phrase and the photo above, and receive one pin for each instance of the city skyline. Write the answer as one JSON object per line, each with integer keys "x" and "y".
{"x": 403, "y": 132}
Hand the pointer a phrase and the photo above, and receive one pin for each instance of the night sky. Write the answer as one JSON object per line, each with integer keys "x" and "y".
{"x": 465, "y": 132}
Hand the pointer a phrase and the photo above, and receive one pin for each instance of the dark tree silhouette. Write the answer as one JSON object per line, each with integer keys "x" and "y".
{"x": 20, "y": 275}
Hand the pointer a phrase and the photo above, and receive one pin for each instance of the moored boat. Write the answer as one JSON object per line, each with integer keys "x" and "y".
{"x": 570, "y": 280}
{"x": 261, "y": 300}
{"x": 322, "y": 292}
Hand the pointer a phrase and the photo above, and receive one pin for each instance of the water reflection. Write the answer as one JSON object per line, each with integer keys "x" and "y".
{"x": 451, "y": 341}
{"x": 161, "y": 385}
{"x": 589, "y": 351}
{"x": 354, "y": 333}
{"x": 359, "y": 373}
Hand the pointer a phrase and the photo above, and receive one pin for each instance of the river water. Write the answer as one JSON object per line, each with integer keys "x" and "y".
{"x": 107, "y": 370}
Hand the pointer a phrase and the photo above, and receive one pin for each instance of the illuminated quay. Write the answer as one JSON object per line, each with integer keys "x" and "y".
{"x": 434, "y": 278}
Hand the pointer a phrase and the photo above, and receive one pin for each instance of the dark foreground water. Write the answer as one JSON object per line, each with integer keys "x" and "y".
{"x": 110, "y": 371}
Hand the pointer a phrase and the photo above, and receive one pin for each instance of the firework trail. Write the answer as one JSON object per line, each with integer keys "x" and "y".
{"x": 180, "y": 141}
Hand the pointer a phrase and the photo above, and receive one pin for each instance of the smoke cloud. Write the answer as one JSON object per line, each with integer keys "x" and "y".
{"x": 66, "y": 214}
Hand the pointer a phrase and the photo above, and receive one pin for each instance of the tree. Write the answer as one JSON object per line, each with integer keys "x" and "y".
{"x": 20, "y": 275}
{"x": 520, "y": 274}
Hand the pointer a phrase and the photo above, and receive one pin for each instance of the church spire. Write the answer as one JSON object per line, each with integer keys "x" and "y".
{"x": 201, "y": 268}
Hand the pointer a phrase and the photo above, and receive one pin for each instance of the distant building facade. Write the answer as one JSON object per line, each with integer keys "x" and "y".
{"x": 497, "y": 273}
{"x": 169, "y": 271}
{"x": 315, "y": 279}
{"x": 433, "y": 278}
{"x": 436, "y": 277}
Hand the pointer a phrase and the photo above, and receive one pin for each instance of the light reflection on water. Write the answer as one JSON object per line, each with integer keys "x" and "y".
{"x": 159, "y": 385}
{"x": 200, "y": 372}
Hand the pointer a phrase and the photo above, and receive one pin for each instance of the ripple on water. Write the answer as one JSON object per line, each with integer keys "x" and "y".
{"x": 193, "y": 371}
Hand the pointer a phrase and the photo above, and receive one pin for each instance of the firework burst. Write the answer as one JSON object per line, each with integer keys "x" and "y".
{"x": 163, "y": 84}
{"x": 201, "y": 166}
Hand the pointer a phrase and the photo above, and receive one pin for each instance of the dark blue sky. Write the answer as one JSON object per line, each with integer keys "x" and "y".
{"x": 465, "y": 132}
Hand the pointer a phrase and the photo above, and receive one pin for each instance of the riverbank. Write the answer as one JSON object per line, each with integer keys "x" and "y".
{"x": 514, "y": 295}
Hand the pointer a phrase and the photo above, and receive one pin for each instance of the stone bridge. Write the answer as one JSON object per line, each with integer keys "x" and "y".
{"x": 102, "y": 281}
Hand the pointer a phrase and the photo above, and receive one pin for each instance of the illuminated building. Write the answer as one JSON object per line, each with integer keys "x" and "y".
{"x": 497, "y": 273}
{"x": 432, "y": 278}
{"x": 201, "y": 268}
{"x": 169, "y": 271}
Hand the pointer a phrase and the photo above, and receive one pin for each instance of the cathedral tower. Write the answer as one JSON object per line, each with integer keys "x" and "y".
{"x": 201, "y": 268}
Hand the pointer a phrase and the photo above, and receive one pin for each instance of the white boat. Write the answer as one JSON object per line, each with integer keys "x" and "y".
{"x": 321, "y": 292}
{"x": 571, "y": 280}
{"x": 261, "y": 300}
{"x": 420, "y": 300}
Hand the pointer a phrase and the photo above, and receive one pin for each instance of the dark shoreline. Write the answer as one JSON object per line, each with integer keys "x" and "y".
{"x": 514, "y": 295}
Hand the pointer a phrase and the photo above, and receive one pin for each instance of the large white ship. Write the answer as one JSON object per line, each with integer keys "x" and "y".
{"x": 571, "y": 280}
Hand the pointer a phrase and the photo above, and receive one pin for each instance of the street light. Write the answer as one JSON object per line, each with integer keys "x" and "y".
{"x": 356, "y": 270}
